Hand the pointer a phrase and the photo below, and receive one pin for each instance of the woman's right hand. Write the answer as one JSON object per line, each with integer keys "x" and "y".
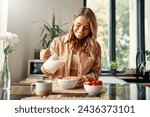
{"x": 45, "y": 54}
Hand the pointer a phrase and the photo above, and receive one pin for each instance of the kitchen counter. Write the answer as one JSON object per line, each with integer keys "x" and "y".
{"x": 113, "y": 91}
{"x": 23, "y": 90}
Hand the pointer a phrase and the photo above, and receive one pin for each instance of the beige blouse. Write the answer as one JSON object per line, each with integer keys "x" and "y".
{"x": 87, "y": 65}
{"x": 74, "y": 65}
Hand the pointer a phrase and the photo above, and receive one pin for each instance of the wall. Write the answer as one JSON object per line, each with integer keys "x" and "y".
{"x": 3, "y": 27}
{"x": 24, "y": 19}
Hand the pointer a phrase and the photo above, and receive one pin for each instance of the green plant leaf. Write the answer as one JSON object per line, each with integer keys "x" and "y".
{"x": 147, "y": 53}
{"x": 114, "y": 65}
{"x": 8, "y": 49}
{"x": 49, "y": 32}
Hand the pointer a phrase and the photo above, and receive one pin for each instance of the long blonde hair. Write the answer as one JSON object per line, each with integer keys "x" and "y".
{"x": 89, "y": 41}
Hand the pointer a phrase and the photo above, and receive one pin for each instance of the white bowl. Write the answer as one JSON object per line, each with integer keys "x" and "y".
{"x": 92, "y": 90}
{"x": 68, "y": 83}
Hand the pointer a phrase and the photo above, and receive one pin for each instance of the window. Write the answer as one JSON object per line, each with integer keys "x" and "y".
{"x": 117, "y": 30}
{"x": 100, "y": 7}
{"x": 147, "y": 30}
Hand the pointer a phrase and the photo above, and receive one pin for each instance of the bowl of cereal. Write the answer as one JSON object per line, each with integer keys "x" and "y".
{"x": 69, "y": 82}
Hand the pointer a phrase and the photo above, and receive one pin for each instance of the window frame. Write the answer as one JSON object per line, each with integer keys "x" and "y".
{"x": 112, "y": 33}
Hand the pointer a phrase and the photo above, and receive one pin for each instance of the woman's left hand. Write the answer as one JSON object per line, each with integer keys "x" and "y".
{"x": 80, "y": 83}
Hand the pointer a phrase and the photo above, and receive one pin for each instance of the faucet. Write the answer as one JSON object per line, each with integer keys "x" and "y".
{"x": 140, "y": 64}
{"x": 141, "y": 71}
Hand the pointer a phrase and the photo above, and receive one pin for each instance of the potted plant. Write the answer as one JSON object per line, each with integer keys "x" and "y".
{"x": 114, "y": 65}
{"x": 47, "y": 33}
{"x": 147, "y": 53}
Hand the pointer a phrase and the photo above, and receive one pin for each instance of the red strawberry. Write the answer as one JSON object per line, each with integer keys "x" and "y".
{"x": 99, "y": 82}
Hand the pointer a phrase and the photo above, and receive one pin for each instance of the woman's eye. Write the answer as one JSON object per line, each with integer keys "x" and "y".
{"x": 78, "y": 25}
{"x": 87, "y": 28}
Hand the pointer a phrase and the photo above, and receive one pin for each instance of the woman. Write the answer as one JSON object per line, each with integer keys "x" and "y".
{"x": 79, "y": 47}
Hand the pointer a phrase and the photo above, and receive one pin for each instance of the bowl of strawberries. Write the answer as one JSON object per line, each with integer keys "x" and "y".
{"x": 93, "y": 87}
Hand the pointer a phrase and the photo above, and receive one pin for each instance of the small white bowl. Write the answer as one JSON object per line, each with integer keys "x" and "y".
{"x": 92, "y": 90}
{"x": 68, "y": 83}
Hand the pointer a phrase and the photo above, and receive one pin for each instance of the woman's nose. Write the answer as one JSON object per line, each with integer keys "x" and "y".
{"x": 81, "y": 29}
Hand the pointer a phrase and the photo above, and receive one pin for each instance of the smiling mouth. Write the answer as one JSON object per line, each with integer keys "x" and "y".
{"x": 79, "y": 34}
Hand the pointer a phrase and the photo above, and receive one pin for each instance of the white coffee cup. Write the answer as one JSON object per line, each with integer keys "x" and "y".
{"x": 53, "y": 63}
{"x": 42, "y": 87}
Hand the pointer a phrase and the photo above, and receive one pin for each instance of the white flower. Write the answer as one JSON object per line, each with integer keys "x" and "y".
{"x": 9, "y": 40}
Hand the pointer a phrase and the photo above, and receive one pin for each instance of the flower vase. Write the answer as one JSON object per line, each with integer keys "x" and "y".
{"x": 5, "y": 95}
{"x": 6, "y": 80}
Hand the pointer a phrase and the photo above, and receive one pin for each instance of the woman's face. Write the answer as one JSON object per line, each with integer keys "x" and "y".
{"x": 81, "y": 27}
